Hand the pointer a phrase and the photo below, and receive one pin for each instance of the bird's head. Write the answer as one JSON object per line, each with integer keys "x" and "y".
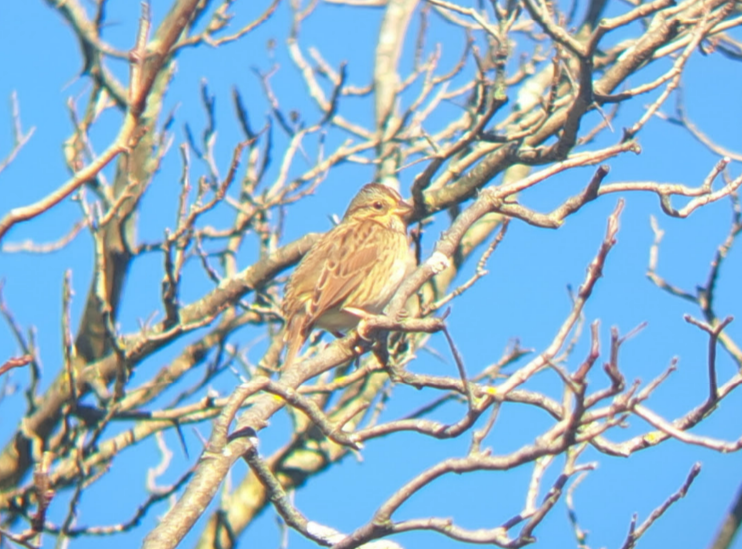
{"x": 379, "y": 203}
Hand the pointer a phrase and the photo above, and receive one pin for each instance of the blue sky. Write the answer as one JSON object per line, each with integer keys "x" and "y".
{"x": 524, "y": 295}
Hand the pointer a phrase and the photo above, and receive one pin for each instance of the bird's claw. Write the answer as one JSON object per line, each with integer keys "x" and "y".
{"x": 363, "y": 330}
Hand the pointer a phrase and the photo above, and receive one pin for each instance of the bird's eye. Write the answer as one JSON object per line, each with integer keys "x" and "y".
{"x": 378, "y": 206}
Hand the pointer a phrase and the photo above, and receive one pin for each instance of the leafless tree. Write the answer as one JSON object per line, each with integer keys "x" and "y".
{"x": 536, "y": 92}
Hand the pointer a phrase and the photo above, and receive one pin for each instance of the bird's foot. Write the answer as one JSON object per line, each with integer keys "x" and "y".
{"x": 364, "y": 332}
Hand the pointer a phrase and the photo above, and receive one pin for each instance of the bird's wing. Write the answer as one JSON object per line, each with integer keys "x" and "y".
{"x": 350, "y": 255}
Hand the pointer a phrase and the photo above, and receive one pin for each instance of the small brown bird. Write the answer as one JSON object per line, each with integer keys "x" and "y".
{"x": 356, "y": 266}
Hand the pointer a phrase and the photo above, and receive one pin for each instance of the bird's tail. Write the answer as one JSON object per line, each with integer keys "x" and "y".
{"x": 294, "y": 339}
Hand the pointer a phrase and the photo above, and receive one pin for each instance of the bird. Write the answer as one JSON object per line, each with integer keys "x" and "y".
{"x": 352, "y": 270}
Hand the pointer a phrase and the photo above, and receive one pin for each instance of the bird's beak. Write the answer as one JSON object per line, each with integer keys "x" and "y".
{"x": 404, "y": 209}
